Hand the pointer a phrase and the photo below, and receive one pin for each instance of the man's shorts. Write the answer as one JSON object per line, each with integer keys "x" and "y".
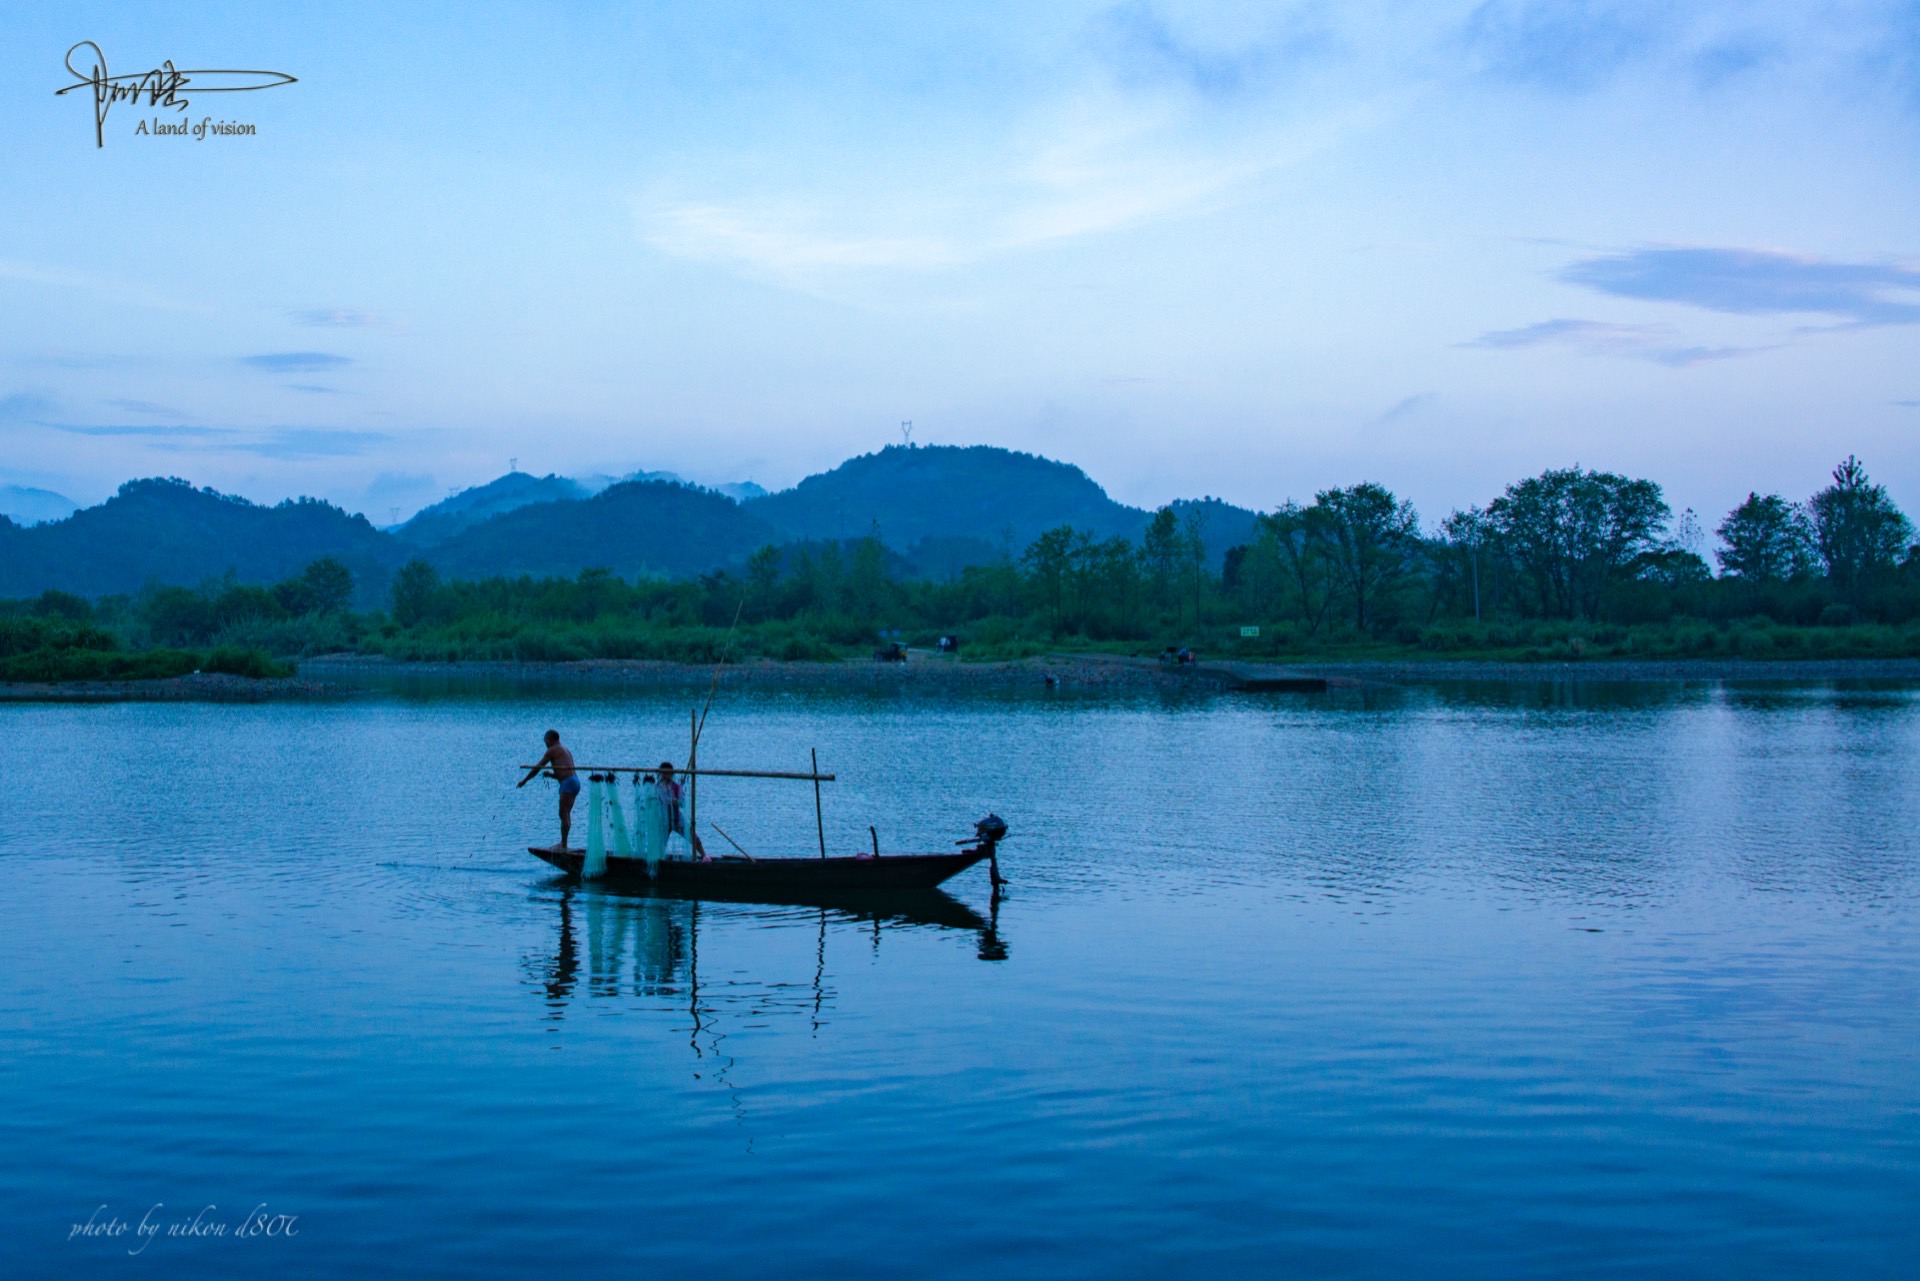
{"x": 570, "y": 785}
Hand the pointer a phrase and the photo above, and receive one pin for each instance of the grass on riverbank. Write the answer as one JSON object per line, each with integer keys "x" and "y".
{"x": 48, "y": 648}
{"x": 1006, "y": 639}
{"x": 44, "y": 650}
{"x": 1522, "y": 642}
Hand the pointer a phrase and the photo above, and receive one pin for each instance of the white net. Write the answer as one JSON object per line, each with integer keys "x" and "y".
{"x": 596, "y": 864}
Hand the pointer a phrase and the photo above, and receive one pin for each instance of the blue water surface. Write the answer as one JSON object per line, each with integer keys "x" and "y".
{"x": 1495, "y": 981}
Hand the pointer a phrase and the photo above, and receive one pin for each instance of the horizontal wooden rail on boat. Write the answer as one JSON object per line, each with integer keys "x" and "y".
{"x": 701, "y": 773}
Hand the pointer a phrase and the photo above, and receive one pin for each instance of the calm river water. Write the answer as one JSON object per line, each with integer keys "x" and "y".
{"x": 1453, "y": 982}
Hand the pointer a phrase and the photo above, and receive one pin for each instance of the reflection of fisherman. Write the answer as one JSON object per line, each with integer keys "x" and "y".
{"x": 562, "y": 762}
{"x": 671, "y": 794}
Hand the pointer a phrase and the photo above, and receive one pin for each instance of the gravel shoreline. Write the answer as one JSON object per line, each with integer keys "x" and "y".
{"x": 920, "y": 672}
{"x": 197, "y": 688}
{"x": 340, "y": 676}
{"x": 1425, "y": 671}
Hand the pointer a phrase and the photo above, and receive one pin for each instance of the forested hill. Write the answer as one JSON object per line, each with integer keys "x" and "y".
{"x": 939, "y": 503}
{"x": 170, "y": 532}
{"x": 469, "y": 507}
{"x": 946, "y": 491}
{"x": 642, "y": 527}
{"x": 941, "y": 508}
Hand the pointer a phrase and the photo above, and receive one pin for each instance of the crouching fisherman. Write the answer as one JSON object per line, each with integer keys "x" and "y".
{"x": 672, "y": 797}
{"x": 560, "y": 761}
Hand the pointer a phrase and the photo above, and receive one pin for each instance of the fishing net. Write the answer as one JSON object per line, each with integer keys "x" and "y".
{"x": 596, "y": 864}
{"x": 622, "y": 842}
{"x": 650, "y": 812}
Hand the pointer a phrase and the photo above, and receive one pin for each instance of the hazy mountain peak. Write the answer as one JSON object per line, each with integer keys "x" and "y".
{"x": 507, "y": 493}
{"x": 929, "y": 491}
{"x": 740, "y": 490}
{"x": 24, "y": 505}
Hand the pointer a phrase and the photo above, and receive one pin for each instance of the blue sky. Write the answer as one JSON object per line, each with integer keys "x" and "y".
{"x": 1243, "y": 250}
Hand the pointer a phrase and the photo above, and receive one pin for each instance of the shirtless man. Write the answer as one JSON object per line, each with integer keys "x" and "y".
{"x": 561, "y": 761}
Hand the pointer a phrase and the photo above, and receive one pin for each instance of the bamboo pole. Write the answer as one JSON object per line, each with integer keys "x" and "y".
{"x": 709, "y": 773}
{"x": 736, "y": 844}
{"x": 693, "y": 788}
{"x": 819, "y": 820}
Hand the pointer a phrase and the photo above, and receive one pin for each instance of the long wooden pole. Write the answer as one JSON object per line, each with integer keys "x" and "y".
{"x": 709, "y": 773}
{"x": 693, "y": 788}
{"x": 819, "y": 820}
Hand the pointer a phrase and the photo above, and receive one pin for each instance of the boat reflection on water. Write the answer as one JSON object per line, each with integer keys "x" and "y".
{"x": 648, "y": 945}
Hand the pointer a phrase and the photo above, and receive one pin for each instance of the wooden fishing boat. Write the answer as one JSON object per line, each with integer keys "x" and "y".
{"x": 743, "y": 876}
{"x": 785, "y": 878}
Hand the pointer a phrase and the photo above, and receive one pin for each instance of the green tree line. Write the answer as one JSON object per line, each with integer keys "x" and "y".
{"x": 1569, "y": 562}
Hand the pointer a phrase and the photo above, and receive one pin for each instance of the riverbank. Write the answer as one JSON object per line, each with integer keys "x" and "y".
{"x": 343, "y": 675}
{"x": 933, "y": 672}
{"x": 200, "y": 687}
{"x": 1428, "y": 671}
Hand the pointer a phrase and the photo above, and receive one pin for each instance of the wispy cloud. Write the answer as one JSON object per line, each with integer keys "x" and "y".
{"x": 287, "y": 443}
{"x": 1571, "y": 45}
{"x": 146, "y": 407}
{"x": 1149, "y": 116}
{"x": 110, "y": 288}
{"x": 24, "y": 407}
{"x": 334, "y": 318}
{"x": 1100, "y": 167}
{"x": 157, "y": 431}
{"x": 1143, "y": 48}
{"x": 1756, "y": 282}
{"x": 70, "y": 361}
{"x": 1732, "y": 57}
{"x": 312, "y": 442}
{"x": 1657, "y": 343}
{"x": 400, "y": 484}
{"x": 787, "y": 241}
{"x": 313, "y": 389}
{"x": 296, "y": 362}
{"x": 1411, "y": 405}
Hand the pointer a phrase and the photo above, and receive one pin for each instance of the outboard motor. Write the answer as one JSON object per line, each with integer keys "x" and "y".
{"x": 990, "y": 831}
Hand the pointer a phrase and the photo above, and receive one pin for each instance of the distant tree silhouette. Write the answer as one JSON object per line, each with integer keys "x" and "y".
{"x": 1856, "y": 528}
{"x": 1574, "y": 532}
{"x": 1370, "y": 538}
{"x": 412, "y": 592}
{"x": 1766, "y": 539}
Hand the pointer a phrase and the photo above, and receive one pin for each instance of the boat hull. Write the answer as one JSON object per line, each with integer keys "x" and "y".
{"x": 781, "y": 877}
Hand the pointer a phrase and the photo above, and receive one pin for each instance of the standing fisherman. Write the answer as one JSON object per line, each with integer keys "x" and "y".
{"x": 561, "y": 760}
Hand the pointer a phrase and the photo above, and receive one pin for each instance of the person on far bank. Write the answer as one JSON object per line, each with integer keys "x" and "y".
{"x": 560, "y": 760}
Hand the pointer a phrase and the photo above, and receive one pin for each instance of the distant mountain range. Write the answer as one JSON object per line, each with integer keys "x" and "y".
{"x": 518, "y": 489}
{"x": 167, "y": 531}
{"x": 638, "y": 527}
{"x": 25, "y": 506}
{"x": 937, "y": 508}
{"x": 469, "y": 507}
